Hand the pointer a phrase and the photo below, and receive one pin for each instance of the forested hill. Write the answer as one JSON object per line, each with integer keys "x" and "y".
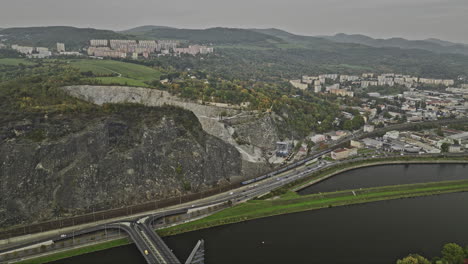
{"x": 143, "y": 29}
{"x": 73, "y": 38}
{"x": 434, "y": 45}
{"x": 265, "y": 53}
{"x": 216, "y": 35}
{"x": 286, "y": 55}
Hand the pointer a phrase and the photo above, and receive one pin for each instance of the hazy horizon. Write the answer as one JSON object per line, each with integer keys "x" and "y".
{"x": 410, "y": 19}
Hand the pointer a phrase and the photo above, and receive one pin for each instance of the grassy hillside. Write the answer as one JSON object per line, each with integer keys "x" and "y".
{"x": 15, "y": 61}
{"x": 74, "y": 38}
{"x": 117, "y": 72}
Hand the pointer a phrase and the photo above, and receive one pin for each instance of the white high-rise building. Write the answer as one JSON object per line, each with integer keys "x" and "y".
{"x": 99, "y": 42}
{"x": 60, "y": 47}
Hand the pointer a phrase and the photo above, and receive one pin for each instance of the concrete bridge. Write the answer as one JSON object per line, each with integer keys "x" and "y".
{"x": 151, "y": 245}
{"x": 141, "y": 232}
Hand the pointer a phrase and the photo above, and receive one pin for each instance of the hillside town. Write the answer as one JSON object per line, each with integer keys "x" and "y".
{"x": 118, "y": 49}
{"x": 344, "y": 85}
{"x": 394, "y": 142}
{"x": 420, "y": 100}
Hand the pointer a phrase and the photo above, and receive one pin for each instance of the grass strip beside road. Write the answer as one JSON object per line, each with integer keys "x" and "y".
{"x": 77, "y": 251}
{"x": 290, "y": 203}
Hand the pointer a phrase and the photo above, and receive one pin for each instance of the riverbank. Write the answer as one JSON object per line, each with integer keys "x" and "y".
{"x": 328, "y": 173}
{"x": 291, "y": 202}
{"x": 324, "y": 174}
{"x": 285, "y": 201}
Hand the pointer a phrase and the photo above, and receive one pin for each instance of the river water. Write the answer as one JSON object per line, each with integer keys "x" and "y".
{"x": 377, "y": 232}
{"x": 390, "y": 175}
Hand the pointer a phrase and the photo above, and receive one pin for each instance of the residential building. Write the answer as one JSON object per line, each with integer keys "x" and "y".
{"x": 70, "y": 53}
{"x": 372, "y": 143}
{"x": 121, "y": 43}
{"x": 332, "y": 76}
{"x": 459, "y": 136}
{"x": 436, "y": 81}
{"x": 334, "y": 86}
{"x": 343, "y": 153}
{"x": 365, "y": 84}
{"x": 348, "y": 78}
{"x": 99, "y": 43}
{"x": 394, "y": 134}
{"x": 298, "y": 84}
{"x": 426, "y": 147}
{"x": 317, "y": 88}
{"x": 60, "y": 47}
{"x": 194, "y": 50}
{"x": 341, "y": 92}
{"x": 23, "y": 49}
{"x": 356, "y": 144}
{"x": 456, "y": 148}
{"x": 309, "y": 79}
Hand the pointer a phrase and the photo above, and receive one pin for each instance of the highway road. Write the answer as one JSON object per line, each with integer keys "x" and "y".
{"x": 140, "y": 229}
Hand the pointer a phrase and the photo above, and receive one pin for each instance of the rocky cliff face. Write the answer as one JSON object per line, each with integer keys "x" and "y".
{"x": 57, "y": 166}
{"x": 253, "y": 134}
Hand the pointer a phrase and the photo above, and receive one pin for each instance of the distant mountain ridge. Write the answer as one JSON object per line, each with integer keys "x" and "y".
{"x": 142, "y": 29}
{"x": 216, "y": 35}
{"x": 271, "y": 37}
{"x": 434, "y": 45}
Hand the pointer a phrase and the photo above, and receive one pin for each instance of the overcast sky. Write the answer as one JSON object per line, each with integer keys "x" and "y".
{"x": 413, "y": 19}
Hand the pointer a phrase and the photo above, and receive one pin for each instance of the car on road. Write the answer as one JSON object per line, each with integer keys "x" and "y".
{"x": 63, "y": 236}
{"x": 146, "y": 252}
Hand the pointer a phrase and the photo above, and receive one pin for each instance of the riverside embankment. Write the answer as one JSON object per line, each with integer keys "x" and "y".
{"x": 285, "y": 200}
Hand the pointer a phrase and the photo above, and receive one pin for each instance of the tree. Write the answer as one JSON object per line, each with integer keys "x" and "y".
{"x": 413, "y": 259}
{"x": 445, "y": 147}
{"x": 453, "y": 254}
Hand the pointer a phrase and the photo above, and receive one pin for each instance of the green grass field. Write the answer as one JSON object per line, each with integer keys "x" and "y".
{"x": 15, "y": 61}
{"x": 129, "y": 73}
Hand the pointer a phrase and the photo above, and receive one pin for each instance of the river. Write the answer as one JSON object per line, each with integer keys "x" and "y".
{"x": 378, "y": 232}
{"x": 384, "y": 175}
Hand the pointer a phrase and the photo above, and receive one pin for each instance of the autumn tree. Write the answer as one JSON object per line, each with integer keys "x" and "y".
{"x": 453, "y": 254}
{"x": 413, "y": 259}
